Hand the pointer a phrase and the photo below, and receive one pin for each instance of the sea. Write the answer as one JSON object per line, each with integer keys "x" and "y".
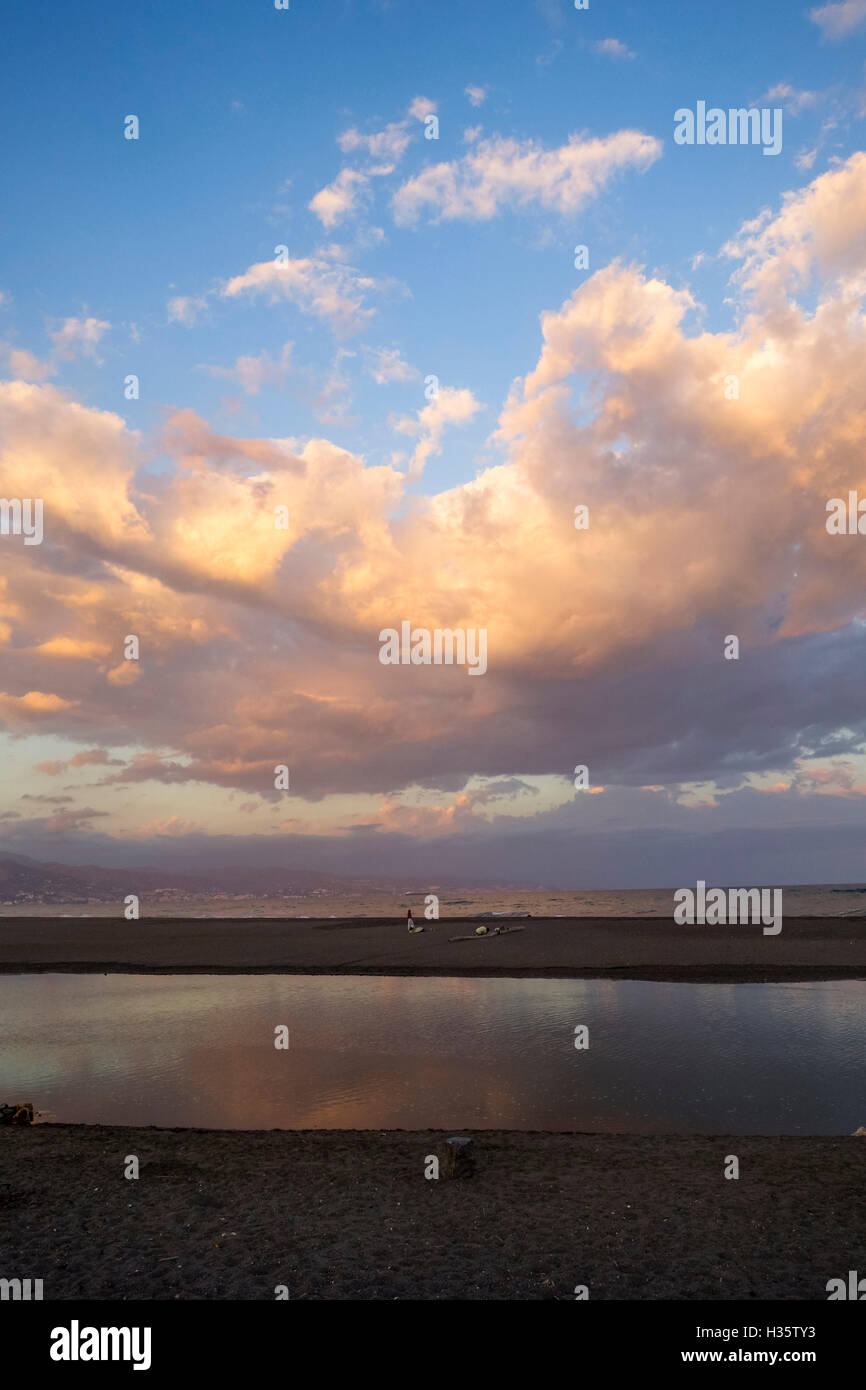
{"x": 805, "y": 900}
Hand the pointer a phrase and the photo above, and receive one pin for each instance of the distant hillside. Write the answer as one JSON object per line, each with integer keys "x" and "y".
{"x": 31, "y": 880}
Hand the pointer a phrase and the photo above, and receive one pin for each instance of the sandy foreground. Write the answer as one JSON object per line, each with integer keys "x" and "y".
{"x": 640, "y": 948}
{"x": 221, "y": 1214}
{"x": 349, "y": 1214}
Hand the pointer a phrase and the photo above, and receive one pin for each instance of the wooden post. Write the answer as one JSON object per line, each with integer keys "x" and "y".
{"x": 455, "y": 1158}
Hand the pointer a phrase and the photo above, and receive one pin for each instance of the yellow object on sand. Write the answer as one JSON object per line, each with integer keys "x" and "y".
{"x": 19, "y": 1113}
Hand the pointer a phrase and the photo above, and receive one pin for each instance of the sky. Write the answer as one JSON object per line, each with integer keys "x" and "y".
{"x": 314, "y": 355}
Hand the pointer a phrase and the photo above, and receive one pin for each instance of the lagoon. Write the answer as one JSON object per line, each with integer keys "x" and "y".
{"x": 389, "y": 1052}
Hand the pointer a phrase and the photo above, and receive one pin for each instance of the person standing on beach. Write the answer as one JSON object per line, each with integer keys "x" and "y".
{"x": 410, "y": 924}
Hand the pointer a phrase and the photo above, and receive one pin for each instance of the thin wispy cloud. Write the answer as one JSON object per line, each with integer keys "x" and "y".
{"x": 794, "y": 102}
{"x": 838, "y": 20}
{"x": 385, "y": 365}
{"x": 501, "y": 173}
{"x": 613, "y": 48}
{"x": 253, "y": 372}
{"x": 79, "y": 337}
{"x": 320, "y": 286}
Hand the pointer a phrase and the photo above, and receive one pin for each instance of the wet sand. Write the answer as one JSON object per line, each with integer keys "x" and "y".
{"x": 350, "y": 1215}
{"x": 808, "y": 948}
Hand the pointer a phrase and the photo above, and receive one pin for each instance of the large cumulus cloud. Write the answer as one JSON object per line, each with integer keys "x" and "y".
{"x": 707, "y": 511}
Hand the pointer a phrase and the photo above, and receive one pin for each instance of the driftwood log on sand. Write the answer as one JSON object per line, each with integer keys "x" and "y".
{"x": 482, "y": 936}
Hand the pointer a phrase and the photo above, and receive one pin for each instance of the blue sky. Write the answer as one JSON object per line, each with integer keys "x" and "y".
{"x": 240, "y": 109}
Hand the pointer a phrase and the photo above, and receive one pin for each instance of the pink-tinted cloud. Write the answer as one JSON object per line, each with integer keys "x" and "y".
{"x": 500, "y": 173}
{"x": 259, "y": 642}
{"x": 325, "y": 288}
{"x": 90, "y": 757}
{"x": 839, "y": 19}
{"x": 79, "y": 337}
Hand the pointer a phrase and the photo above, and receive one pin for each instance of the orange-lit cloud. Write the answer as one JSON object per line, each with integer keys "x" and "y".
{"x": 259, "y": 641}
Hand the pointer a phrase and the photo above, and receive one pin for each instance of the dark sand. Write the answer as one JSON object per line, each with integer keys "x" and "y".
{"x": 808, "y": 948}
{"x": 349, "y": 1215}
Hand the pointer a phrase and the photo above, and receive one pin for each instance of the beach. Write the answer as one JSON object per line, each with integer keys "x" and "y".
{"x": 350, "y": 1215}
{"x": 807, "y": 948}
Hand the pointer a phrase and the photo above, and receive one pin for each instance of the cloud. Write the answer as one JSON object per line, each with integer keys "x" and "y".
{"x": 79, "y": 337}
{"x": 78, "y": 460}
{"x": 422, "y": 107}
{"x": 836, "y": 21}
{"x": 340, "y": 198}
{"x": 385, "y": 365}
{"x": 544, "y": 60}
{"x": 450, "y": 406}
{"x": 389, "y": 144}
{"x": 64, "y": 822}
{"x": 97, "y": 757}
{"x": 334, "y": 396}
{"x": 49, "y": 800}
{"x": 350, "y": 189}
{"x": 613, "y": 48}
{"x": 24, "y": 366}
{"x": 793, "y": 101}
{"x": 172, "y": 825}
{"x": 819, "y": 232}
{"x": 186, "y": 309}
{"x": 317, "y": 285}
{"x": 125, "y": 673}
{"x": 501, "y": 173}
{"x": 476, "y": 95}
{"x": 252, "y": 373}
{"x": 839, "y": 778}
{"x": 260, "y": 645}
{"x": 460, "y": 812}
{"x": 75, "y": 648}
{"x": 34, "y": 707}
{"x": 197, "y": 447}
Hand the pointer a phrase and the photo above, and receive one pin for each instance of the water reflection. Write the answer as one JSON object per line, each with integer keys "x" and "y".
{"x": 415, "y": 1053}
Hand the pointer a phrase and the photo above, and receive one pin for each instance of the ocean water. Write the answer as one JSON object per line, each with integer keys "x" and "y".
{"x": 810, "y": 900}
{"x": 385, "y": 1052}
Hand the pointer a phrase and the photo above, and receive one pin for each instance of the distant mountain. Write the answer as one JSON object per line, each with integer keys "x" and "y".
{"x": 23, "y": 879}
